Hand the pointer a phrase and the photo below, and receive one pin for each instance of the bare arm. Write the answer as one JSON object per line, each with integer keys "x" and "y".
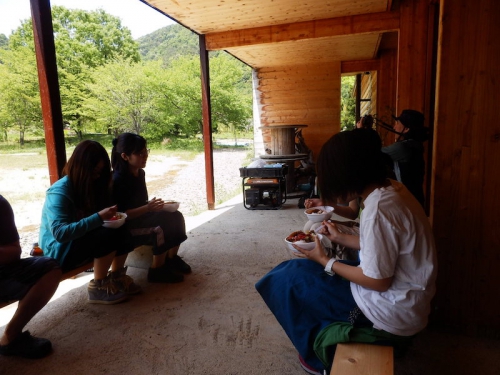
{"x": 155, "y": 204}
{"x": 332, "y": 233}
{"x": 356, "y": 275}
{"x": 349, "y": 212}
{"x": 351, "y": 273}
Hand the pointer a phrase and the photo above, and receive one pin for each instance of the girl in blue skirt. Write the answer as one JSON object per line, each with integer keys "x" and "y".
{"x": 385, "y": 299}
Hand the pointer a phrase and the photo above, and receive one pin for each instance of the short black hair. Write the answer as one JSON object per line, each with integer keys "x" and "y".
{"x": 348, "y": 162}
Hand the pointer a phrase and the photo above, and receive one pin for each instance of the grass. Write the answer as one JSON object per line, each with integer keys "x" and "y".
{"x": 31, "y": 160}
{"x": 186, "y": 148}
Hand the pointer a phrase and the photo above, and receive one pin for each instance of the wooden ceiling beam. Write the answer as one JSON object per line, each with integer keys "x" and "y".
{"x": 360, "y": 66}
{"x": 358, "y": 24}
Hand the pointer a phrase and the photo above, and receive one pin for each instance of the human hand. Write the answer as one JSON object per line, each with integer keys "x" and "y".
{"x": 107, "y": 213}
{"x": 155, "y": 204}
{"x": 329, "y": 230}
{"x": 317, "y": 254}
{"x": 313, "y": 202}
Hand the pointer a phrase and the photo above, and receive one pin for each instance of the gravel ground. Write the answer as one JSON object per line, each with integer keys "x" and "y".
{"x": 168, "y": 178}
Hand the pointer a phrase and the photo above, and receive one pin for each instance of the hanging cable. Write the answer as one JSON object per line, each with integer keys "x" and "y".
{"x": 386, "y": 126}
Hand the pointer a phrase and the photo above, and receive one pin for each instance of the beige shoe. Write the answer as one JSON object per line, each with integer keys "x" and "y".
{"x": 123, "y": 282}
{"x": 104, "y": 292}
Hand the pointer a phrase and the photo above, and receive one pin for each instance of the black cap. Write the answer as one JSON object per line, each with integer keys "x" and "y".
{"x": 414, "y": 121}
{"x": 411, "y": 118}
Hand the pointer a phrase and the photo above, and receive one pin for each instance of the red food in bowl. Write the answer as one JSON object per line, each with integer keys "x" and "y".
{"x": 301, "y": 236}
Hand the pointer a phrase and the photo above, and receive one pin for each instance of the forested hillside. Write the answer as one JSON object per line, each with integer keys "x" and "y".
{"x": 175, "y": 41}
{"x": 168, "y": 43}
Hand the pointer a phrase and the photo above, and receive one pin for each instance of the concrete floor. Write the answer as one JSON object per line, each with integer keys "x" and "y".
{"x": 214, "y": 322}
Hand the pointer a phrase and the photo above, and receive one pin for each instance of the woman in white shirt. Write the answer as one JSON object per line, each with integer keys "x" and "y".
{"x": 383, "y": 299}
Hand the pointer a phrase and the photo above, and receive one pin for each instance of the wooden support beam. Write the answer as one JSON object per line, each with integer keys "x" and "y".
{"x": 359, "y": 66}
{"x": 207, "y": 124}
{"x": 358, "y": 24}
{"x": 49, "y": 87}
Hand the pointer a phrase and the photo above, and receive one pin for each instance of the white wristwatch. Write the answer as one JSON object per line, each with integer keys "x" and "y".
{"x": 329, "y": 265}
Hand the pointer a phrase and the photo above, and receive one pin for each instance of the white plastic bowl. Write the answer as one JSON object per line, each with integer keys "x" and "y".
{"x": 115, "y": 223}
{"x": 304, "y": 245}
{"x": 315, "y": 217}
{"x": 171, "y": 206}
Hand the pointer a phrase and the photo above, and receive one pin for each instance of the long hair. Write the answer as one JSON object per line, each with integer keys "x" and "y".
{"x": 91, "y": 194}
{"x": 126, "y": 143}
{"x": 348, "y": 162}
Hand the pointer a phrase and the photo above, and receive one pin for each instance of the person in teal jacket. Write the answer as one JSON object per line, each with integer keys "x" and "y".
{"x": 71, "y": 229}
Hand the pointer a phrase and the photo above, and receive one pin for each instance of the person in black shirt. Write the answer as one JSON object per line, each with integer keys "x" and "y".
{"x": 31, "y": 281}
{"x": 407, "y": 153}
{"x": 147, "y": 220}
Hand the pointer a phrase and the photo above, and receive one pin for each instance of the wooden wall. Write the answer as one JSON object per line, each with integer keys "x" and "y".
{"x": 414, "y": 69}
{"x": 308, "y": 95}
{"x": 368, "y": 91}
{"x": 386, "y": 88}
{"x": 465, "y": 201}
{"x": 412, "y": 55}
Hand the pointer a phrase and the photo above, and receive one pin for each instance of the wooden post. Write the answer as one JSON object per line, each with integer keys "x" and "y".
{"x": 207, "y": 123}
{"x": 465, "y": 204}
{"x": 358, "y": 98}
{"x": 49, "y": 87}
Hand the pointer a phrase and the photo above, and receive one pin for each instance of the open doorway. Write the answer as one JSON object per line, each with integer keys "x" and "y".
{"x": 358, "y": 98}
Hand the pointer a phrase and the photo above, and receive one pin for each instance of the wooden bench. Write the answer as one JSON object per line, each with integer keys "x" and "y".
{"x": 67, "y": 275}
{"x": 363, "y": 359}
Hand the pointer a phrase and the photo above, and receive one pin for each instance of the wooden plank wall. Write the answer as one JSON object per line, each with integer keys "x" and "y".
{"x": 308, "y": 95}
{"x": 386, "y": 88}
{"x": 414, "y": 69}
{"x": 369, "y": 91}
{"x": 412, "y": 58}
{"x": 465, "y": 202}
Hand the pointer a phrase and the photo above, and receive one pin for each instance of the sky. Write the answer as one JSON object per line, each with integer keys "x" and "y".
{"x": 137, "y": 16}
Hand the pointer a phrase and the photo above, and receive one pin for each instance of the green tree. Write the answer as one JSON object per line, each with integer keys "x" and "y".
{"x": 20, "y": 107}
{"x": 84, "y": 40}
{"x": 179, "y": 99}
{"x": 4, "y": 41}
{"x": 231, "y": 102}
{"x": 348, "y": 103}
{"x": 122, "y": 96}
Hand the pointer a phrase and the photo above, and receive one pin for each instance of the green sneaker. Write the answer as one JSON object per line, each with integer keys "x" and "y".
{"x": 104, "y": 292}
{"x": 123, "y": 282}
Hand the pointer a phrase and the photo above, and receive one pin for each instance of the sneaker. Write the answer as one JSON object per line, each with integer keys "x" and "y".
{"x": 123, "y": 282}
{"x": 308, "y": 368}
{"x": 178, "y": 264}
{"x": 164, "y": 274}
{"x": 27, "y": 346}
{"x": 105, "y": 292}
